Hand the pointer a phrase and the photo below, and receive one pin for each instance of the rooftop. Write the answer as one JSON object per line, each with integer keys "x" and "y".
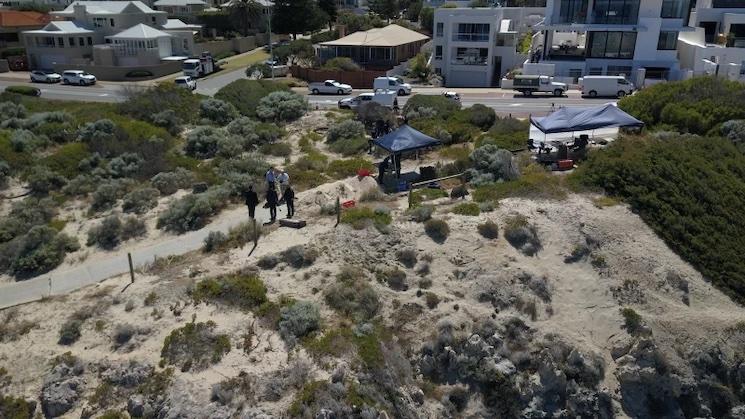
{"x": 389, "y": 36}
{"x": 175, "y": 24}
{"x": 179, "y": 3}
{"x": 140, "y": 31}
{"x": 107, "y": 8}
{"x": 62, "y": 27}
{"x": 18, "y": 19}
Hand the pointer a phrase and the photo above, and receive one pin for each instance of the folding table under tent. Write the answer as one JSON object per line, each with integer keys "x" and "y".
{"x": 404, "y": 139}
{"x": 585, "y": 119}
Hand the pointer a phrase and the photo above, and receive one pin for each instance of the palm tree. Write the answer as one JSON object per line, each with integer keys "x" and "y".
{"x": 243, "y": 12}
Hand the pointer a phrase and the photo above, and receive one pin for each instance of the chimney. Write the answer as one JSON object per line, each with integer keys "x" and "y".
{"x": 342, "y": 30}
{"x": 78, "y": 11}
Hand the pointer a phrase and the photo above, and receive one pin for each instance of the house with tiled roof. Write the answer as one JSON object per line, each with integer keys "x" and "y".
{"x": 14, "y": 22}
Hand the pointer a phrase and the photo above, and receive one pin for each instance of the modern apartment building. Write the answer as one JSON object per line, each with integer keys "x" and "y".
{"x": 717, "y": 44}
{"x": 109, "y": 33}
{"x": 635, "y": 38}
{"x": 476, "y": 47}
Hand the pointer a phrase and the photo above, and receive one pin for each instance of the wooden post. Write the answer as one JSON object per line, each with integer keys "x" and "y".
{"x": 338, "y": 211}
{"x": 256, "y": 233}
{"x": 50, "y": 286}
{"x": 410, "y": 189}
{"x": 131, "y": 268}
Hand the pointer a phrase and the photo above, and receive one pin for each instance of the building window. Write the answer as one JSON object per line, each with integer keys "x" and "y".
{"x": 152, "y": 18}
{"x": 81, "y": 41}
{"x": 112, "y": 22}
{"x": 675, "y": 9}
{"x": 99, "y": 22}
{"x": 472, "y": 32}
{"x": 440, "y": 29}
{"x": 573, "y": 11}
{"x": 438, "y": 70}
{"x": 616, "y": 12}
{"x": 611, "y": 45}
{"x": 471, "y": 56}
{"x": 60, "y": 42}
{"x": 72, "y": 41}
{"x": 90, "y": 41}
{"x": 619, "y": 70}
{"x": 48, "y": 41}
{"x": 668, "y": 40}
{"x": 438, "y": 52}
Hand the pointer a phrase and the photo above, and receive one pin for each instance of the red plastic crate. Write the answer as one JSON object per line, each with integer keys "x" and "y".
{"x": 349, "y": 204}
{"x": 566, "y": 164}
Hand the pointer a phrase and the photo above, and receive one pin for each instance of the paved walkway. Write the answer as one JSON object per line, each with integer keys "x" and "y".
{"x": 66, "y": 279}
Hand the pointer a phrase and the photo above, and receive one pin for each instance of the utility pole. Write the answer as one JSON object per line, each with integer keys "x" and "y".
{"x": 271, "y": 47}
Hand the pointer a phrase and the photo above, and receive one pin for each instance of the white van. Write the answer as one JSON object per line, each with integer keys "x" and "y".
{"x": 392, "y": 83}
{"x": 386, "y": 98}
{"x": 610, "y": 86}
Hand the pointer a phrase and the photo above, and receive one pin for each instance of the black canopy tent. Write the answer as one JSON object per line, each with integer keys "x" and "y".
{"x": 402, "y": 140}
{"x": 585, "y": 119}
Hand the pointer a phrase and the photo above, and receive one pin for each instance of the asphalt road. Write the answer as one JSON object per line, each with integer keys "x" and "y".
{"x": 502, "y": 101}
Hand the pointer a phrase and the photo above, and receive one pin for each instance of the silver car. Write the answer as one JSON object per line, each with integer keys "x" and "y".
{"x": 45, "y": 76}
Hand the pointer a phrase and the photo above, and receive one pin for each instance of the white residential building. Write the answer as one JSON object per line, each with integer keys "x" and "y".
{"x": 635, "y": 38}
{"x": 476, "y": 47}
{"x": 180, "y": 8}
{"x": 109, "y": 33}
{"x": 717, "y": 45}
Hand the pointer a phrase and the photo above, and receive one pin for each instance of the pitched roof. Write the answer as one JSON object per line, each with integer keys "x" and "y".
{"x": 265, "y": 3}
{"x": 389, "y": 36}
{"x": 62, "y": 27}
{"x": 16, "y": 19}
{"x": 175, "y": 24}
{"x": 107, "y": 7}
{"x": 179, "y": 3}
{"x": 140, "y": 31}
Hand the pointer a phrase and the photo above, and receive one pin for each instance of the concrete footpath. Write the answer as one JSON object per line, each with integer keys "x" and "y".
{"x": 67, "y": 279}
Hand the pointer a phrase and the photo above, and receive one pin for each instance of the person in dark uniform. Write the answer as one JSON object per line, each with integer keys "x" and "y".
{"x": 252, "y": 200}
{"x": 382, "y": 167}
{"x": 271, "y": 201}
{"x": 289, "y": 198}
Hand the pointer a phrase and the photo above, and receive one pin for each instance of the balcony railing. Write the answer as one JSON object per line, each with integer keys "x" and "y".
{"x": 469, "y": 61}
{"x": 471, "y": 37}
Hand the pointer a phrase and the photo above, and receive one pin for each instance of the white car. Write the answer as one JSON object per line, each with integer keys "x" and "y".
{"x": 385, "y": 98}
{"x": 454, "y": 96}
{"x": 45, "y": 76}
{"x": 392, "y": 83}
{"x": 186, "y": 82}
{"x": 78, "y": 77}
{"x": 330, "y": 87}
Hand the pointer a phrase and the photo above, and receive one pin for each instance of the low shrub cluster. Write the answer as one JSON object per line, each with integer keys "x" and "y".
{"x": 244, "y": 291}
{"x": 298, "y": 320}
{"x": 491, "y": 164}
{"x": 352, "y": 295}
{"x": 362, "y": 217}
{"x": 522, "y": 235}
{"x": 112, "y": 231}
{"x": 217, "y": 112}
{"x": 246, "y": 94}
{"x": 299, "y": 256}
{"x": 282, "y": 107}
{"x": 421, "y": 213}
{"x": 195, "y": 346}
{"x": 467, "y": 208}
{"x": 437, "y": 230}
{"x": 140, "y": 201}
{"x": 347, "y": 137}
{"x": 534, "y": 182}
{"x": 489, "y": 230}
{"x": 35, "y": 252}
{"x": 168, "y": 183}
{"x": 193, "y": 211}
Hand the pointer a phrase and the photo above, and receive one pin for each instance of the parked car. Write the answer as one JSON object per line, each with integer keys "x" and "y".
{"x": 527, "y": 85}
{"x": 330, "y": 87}
{"x": 392, "y": 83}
{"x": 78, "y": 77}
{"x": 385, "y": 98}
{"x": 186, "y": 82}
{"x": 610, "y": 86}
{"x": 45, "y": 76}
{"x": 452, "y": 96}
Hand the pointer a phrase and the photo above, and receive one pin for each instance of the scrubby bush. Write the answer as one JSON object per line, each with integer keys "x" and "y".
{"x": 459, "y": 192}
{"x": 489, "y": 230}
{"x": 10, "y": 110}
{"x": 217, "y": 111}
{"x": 342, "y": 64}
{"x": 244, "y": 291}
{"x": 396, "y": 279}
{"x": 632, "y": 321}
{"x": 282, "y": 107}
{"x": 170, "y": 182}
{"x": 437, "y": 230}
{"x": 298, "y": 320}
{"x": 258, "y": 71}
{"x": 193, "y": 211}
{"x": 125, "y": 165}
{"x": 734, "y": 131}
{"x": 41, "y": 181}
{"x": 345, "y": 130}
{"x": 69, "y": 332}
{"x": 38, "y": 251}
{"x": 407, "y": 257}
{"x": 268, "y": 261}
{"x": 362, "y": 217}
{"x": 4, "y": 173}
{"x": 202, "y": 142}
{"x": 522, "y": 235}
{"x": 140, "y": 201}
{"x": 352, "y": 296}
{"x": 481, "y": 116}
{"x": 105, "y": 196}
{"x": 25, "y": 214}
{"x": 214, "y": 241}
{"x": 146, "y": 104}
{"x": 491, "y": 164}
{"x": 467, "y": 208}
{"x": 24, "y": 140}
{"x": 195, "y": 346}
{"x": 349, "y": 147}
{"x": 299, "y": 256}
{"x": 133, "y": 227}
{"x": 246, "y": 94}
{"x": 101, "y": 129}
{"x": 169, "y": 120}
{"x": 442, "y": 106}
{"x": 276, "y": 149}
{"x": 107, "y": 234}
{"x": 421, "y": 213}
{"x": 370, "y": 113}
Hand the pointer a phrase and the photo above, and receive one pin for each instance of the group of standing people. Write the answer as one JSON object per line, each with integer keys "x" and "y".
{"x": 277, "y": 182}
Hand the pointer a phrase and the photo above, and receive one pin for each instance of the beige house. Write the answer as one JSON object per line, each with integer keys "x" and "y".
{"x": 378, "y": 48}
{"x": 109, "y": 33}
{"x": 180, "y": 8}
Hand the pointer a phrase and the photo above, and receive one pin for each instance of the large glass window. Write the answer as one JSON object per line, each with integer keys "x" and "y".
{"x": 472, "y": 32}
{"x": 471, "y": 56}
{"x": 616, "y": 12}
{"x": 438, "y": 52}
{"x": 573, "y": 11}
{"x": 668, "y": 40}
{"x": 675, "y": 9}
{"x": 440, "y": 29}
{"x": 611, "y": 45}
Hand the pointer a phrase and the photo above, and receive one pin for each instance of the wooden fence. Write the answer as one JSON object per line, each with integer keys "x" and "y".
{"x": 358, "y": 79}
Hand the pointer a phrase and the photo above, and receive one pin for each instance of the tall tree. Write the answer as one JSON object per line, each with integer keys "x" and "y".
{"x": 329, "y": 7}
{"x": 243, "y": 12}
{"x": 387, "y": 9}
{"x": 297, "y": 17}
{"x": 427, "y": 18}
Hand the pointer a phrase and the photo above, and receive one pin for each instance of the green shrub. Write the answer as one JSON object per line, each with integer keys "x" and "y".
{"x": 246, "y": 94}
{"x": 342, "y": 64}
{"x": 362, "y": 217}
{"x": 10, "y": 110}
{"x": 534, "y": 182}
{"x": 687, "y": 190}
{"x": 214, "y": 241}
{"x": 276, "y": 149}
{"x": 133, "y": 227}
{"x": 443, "y": 107}
{"x": 140, "y": 201}
{"x": 352, "y": 296}
{"x": 24, "y": 215}
{"x": 36, "y": 252}
{"x": 421, "y": 213}
{"x": 244, "y": 291}
{"x": 491, "y": 164}
{"x": 522, "y": 235}
{"x": 107, "y": 193}
{"x": 344, "y": 168}
{"x": 507, "y": 133}
{"x": 195, "y": 346}
{"x": 459, "y": 192}
{"x": 426, "y": 194}
{"x": 4, "y": 173}
{"x": 298, "y": 320}
{"x": 145, "y": 104}
{"x": 193, "y": 211}
{"x": 217, "y": 111}
{"x": 349, "y": 147}
{"x": 66, "y": 159}
{"x": 282, "y": 107}
{"x": 489, "y": 230}
{"x": 202, "y": 142}
{"x": 431, "y": 299}
{"x": 23, "y": 90}
{"x": 168, "y": 183}
{"x": 41, "y": 181}
{"x": 345, "y": 130}
{"x": 299, "y": 256}
{"x": 467, "y": 208}
{"x": 69, "y": 332}
{"x": 396, "y": 279}
{"x": 632, "y": 321}
{"x": 26, "y": 141}
{"x": 12, "y": 407}
{"x": 437, "y": 230}
{"x": 107, "y": 234}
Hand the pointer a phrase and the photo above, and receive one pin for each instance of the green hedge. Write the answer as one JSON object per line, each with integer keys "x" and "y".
{"x": 23, "y": 90}
{"x": 245, "y": 94}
